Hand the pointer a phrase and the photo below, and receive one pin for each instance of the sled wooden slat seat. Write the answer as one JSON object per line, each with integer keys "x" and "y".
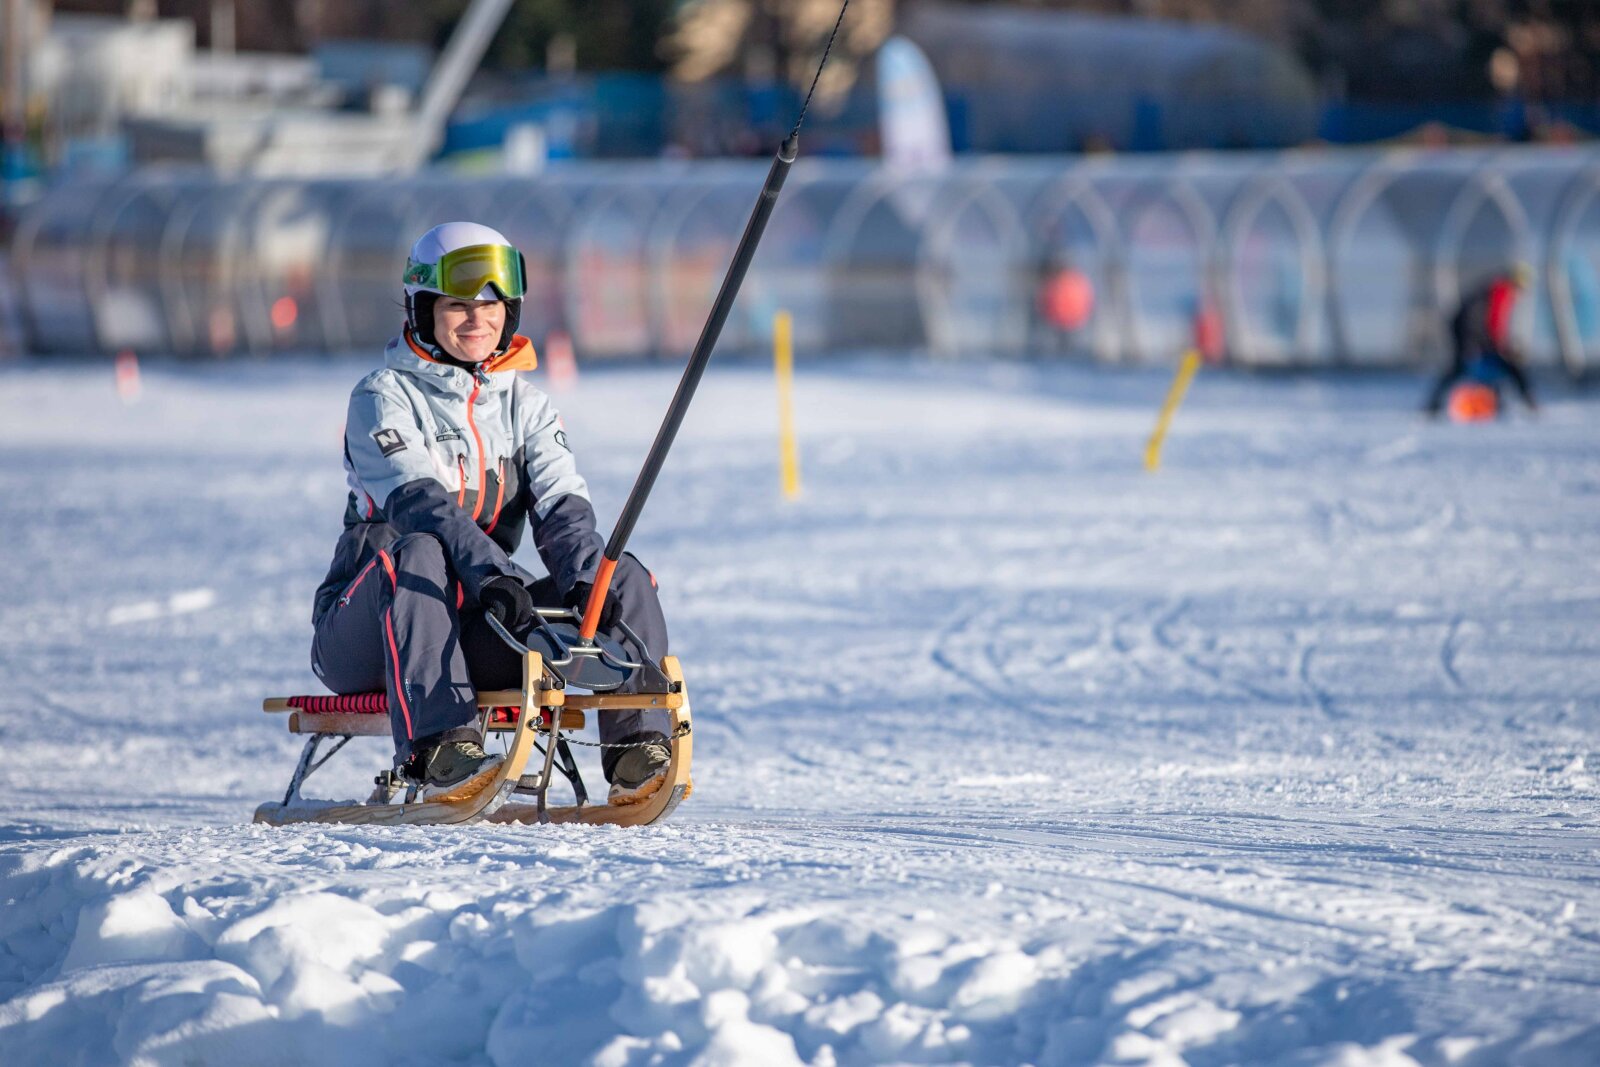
{"x": 336, "y": 719}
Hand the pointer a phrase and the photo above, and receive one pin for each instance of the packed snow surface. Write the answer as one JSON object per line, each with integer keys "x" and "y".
{"x": 1007, "y": 751}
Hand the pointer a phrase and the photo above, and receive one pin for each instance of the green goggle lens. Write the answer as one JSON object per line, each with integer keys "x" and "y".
{"x": 464, "y": 272}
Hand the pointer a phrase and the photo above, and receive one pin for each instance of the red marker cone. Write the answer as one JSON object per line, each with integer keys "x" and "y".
{"x": 560, "y": 361}
{"x": 127, "y": 376}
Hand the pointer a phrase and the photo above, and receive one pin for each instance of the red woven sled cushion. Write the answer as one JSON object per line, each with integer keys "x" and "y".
{"x": 349, "y": 704}
{"x": 373, "y": 704}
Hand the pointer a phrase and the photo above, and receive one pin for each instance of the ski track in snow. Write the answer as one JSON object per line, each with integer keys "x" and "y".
{"x": 1007, "y": 751}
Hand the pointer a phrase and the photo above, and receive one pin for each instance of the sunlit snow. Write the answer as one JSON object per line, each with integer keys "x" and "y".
{"x": 1006, "y": 751}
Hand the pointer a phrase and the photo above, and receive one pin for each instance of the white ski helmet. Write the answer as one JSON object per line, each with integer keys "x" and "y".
{"x": 469, "y": 262}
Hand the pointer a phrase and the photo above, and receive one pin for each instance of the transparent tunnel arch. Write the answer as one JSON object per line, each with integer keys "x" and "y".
{"x": 1272, "y": 279}
{"x": 1376, "y": 274}
{"x": 51, "y": 255}
{"x": 1278, "y": 259}
{"x": 1384, "y": 260}
{"x": 608, "y": 274}
{"x": 972, "y": 285}
{"x": 1572, "y": 268}
{"x": 870, "y": 255}
{"x": 691, "y": 245}
{"x": 535, "y": 217}
{"x": 1169, "y": 237}
{"x": 285, "y": 295}
{"x": 201, "y": 254}
{"x": 123, "y": 280}
{"x": 1485, "y": 232}
{"x": 365, "y": 263}
{"x": 1079, "y": 274}
{"x": 787, "y": 273}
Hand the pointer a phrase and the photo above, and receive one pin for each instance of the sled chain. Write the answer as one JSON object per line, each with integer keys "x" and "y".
{"x": 681, "y": 731}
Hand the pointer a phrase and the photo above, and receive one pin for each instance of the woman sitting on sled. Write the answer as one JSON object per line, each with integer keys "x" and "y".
{"x": 449, "y": 454}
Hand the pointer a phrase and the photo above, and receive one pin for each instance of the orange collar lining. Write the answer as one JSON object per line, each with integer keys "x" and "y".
{"x": 520, "y": 356}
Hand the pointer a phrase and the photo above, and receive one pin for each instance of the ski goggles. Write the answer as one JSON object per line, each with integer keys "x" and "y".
{"x": 464, "y": 272}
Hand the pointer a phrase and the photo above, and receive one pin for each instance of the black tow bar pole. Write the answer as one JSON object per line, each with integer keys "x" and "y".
{"x": 690, "y": 381}
{"x": 698, "y": 359}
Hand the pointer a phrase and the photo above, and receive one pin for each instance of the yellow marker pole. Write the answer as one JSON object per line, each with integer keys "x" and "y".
{"x": 1180, "y": 385}
{"x": 783, "y": 363}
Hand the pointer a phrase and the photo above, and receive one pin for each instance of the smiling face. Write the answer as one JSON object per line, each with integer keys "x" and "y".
{"x": 468, "y": 330}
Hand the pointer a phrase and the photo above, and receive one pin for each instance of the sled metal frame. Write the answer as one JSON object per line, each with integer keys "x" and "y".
{"x": 541, "y": 706}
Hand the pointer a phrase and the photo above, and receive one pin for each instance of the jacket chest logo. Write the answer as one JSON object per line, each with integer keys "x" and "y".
{"x": 448, "y": 433}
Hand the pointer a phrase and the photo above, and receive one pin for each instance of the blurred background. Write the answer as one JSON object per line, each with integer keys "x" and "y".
{"x": 1276, "y": 183}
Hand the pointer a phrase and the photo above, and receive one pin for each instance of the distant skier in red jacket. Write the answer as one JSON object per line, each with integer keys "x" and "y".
{"x": 1481, "y": 331}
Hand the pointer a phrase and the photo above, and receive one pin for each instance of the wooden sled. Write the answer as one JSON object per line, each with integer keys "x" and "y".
{"x": 541, "y": 707}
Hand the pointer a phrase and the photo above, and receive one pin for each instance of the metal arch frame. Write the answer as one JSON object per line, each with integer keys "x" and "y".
{"x": 796, "y": 188}
{"x": 1484, "y": 187}
{"x": 933, "y": 253}
{"x": 335, "y": 324}
{"x": 661, "y": 241}
{"x": 802, "y": 182}
{"x": 1197, "y": 213}
{"x": 839, "y": 241}
{"x": 1242, "y": 214}
{"x": 558, "y": 206}
{"x": 874, "y": 185}
{"x": 255, "y": 313}
{"x": 24, "y": 244}
{"x": 181, "y": 330}
{"x": 613, "y": 193}
{"x": 1077, "y": 192}
{"x": 1583, "y": 191}
{"x": 1543, "y": 189}
{"x": 232, "y": 235}
{"x": 1352, "y": 205}
{"x": 775, "y": 279}
{"x": 94, "y": 251}
{"x": 102, "y": 227}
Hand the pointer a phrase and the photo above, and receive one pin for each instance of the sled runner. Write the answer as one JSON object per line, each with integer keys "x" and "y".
{"x": 532, "y": 719}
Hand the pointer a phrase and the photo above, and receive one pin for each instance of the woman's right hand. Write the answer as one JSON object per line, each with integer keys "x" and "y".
{"x": 508, "y": 600}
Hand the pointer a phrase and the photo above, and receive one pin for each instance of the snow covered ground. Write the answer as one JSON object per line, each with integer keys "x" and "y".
{"x": 1007, "y": 752}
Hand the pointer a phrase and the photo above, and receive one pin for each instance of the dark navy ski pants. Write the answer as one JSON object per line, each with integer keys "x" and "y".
{"x": 399, "y": 627}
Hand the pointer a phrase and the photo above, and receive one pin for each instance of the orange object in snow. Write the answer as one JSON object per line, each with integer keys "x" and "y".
{"x": 1208, "y": 339}
{"x": 1473, "y": 402}
{"x": 1068, "y": 299}
{"x": 126, "y": 370}
{"x": 560, "y": 361}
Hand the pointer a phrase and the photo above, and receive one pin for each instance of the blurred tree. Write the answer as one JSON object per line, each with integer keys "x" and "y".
{"x": 602, "y": 34}
{"x": 766, "y": 39}
{"x": 1401, "y": 50}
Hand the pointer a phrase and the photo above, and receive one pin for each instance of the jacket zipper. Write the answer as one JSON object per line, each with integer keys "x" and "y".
{"x": 472, "y": 424}
{"x": 499, "y": 495}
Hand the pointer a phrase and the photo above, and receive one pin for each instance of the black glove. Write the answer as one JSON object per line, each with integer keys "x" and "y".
{"x": 578, "y": 597}
{"x": 508, "y": 600}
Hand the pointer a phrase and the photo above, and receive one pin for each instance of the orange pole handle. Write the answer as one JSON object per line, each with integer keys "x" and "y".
{"x": 597, "y": 598}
